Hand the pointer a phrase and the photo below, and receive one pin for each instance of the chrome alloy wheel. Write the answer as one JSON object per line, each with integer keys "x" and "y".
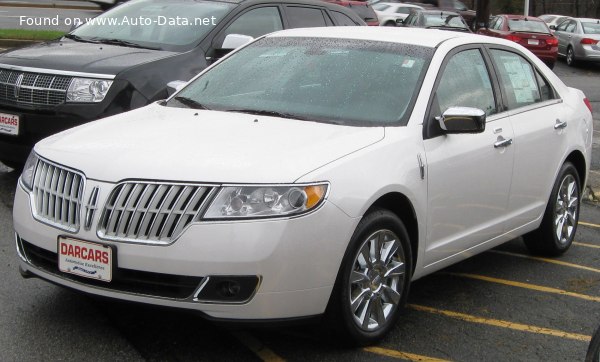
{"x": 377, "y": 280}
{"x": 567, "y": 204}
{"x": 570, "y": 56}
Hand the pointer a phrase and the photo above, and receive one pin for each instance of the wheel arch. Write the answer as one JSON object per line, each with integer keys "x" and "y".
{"x": 578, "y": 160}
{"x": 401, "y": 205}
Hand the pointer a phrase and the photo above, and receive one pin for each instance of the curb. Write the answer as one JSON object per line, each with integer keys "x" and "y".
{"x": 17, "y": 43}
{"x": 18, "y": 4}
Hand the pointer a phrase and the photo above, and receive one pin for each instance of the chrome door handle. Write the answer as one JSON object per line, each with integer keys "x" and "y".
{"x": 503, "y": 143}
{"x": 560, "y": 125}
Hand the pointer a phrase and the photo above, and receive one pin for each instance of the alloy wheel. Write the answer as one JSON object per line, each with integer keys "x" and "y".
{"x": 566, "y": 207}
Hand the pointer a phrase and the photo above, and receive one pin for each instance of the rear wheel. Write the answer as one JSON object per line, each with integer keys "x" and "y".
{"x": 373, "y": 281}
{"x": 570, "y": 57}
{"x": 390, "y": 23}
{"x": 559, "y": 224}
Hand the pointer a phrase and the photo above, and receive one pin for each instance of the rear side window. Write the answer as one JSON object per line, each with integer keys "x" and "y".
{"x": 257, "y": 22}
{"x": 365, "y": 12}
{"x": 517, "y": 78}
{"x": 342, "y": 19}
{"x": 301, "y": 17}
{"x": 546, "y": 91}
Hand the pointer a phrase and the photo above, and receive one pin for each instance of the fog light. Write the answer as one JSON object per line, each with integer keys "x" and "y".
{"x": 228, "y": 288}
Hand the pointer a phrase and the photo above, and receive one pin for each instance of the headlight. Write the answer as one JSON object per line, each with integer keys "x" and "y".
{"x": 88, "y": 90}
{"x": 236, "y": 202}
{"x": 29, "y": 171}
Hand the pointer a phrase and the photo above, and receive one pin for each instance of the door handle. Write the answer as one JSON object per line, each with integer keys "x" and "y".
{"x": 560, "y": 125}
{"x": 503, "y": 143}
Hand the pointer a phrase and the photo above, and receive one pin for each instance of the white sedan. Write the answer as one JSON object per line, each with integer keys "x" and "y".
{"x": 388, "y": 14}
{"x": 313, "y": 171}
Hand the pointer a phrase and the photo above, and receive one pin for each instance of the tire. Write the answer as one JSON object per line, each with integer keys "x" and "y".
{"x": 378, "y": 286}
{"x": 593, "y": 352}
{"x": 570, "y": 57}
{"x": 559, "y": 224}
{"x": 390, "y": 23}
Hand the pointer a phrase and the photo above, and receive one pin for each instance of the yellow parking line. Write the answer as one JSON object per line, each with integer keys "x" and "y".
{"x": 538, "y": 288}
{"x": 402, "y": 355}
{"x": 586, "y": 245}
{"x": 256, "y": 346}
{"x": 546, "y": 260}
{"x": 502, "y": 324}
{"x": 589, "y": 224}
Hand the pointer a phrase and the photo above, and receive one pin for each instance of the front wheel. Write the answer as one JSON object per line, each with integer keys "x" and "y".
{"x": 559, "y": 224}
{"x": 373, "y": 281}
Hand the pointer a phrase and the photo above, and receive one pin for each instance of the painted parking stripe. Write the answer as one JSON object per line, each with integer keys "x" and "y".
{"x": 256, "y": 346}
{"x": 502, "y": 323}
{"x": 589, "y": 224}
{"x": 546, "y": 260}
{"x": 538, "y": 288}
{"x": 586, "y": 245}
{"x": 401, "y": 355}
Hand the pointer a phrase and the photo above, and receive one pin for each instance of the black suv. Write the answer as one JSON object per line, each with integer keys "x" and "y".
{"x": 124, "y": 58}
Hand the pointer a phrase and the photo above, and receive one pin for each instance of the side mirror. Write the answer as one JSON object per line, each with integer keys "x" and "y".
{"x": 233, "y": 41}
{"x": 462, "y": 120}
{"x": 552, "y": 27}
{"x": 175, "y": 86}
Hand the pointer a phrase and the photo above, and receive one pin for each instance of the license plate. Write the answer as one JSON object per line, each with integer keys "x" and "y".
{"x": 9, "y": 124}
{"x": 85, "y": 259}
{"x": 533, "y": 42}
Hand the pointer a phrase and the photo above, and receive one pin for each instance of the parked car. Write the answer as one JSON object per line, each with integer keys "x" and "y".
{"x": 552, "y": 20}
{"x": 363, "y": 9}
{"x": 528, "y": 31}
{"x": 272, "y": 197}
{"x": 450, "y": 5}
{"x": 389, "y": 13}
{"x": 578, "y": 40}
{"x": 110, "y": 65}
{"x": 435, "y": 19}
{"x": 107, "y": 4}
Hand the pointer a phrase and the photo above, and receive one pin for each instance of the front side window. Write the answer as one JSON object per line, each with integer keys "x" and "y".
{"x": 257, "y": 22}
{"x": 563, "y": 26}
{"x": 517, "y": 79}
{"x": 465, "y": 82}
{"x": 571, "y": 27}
{"x": 347, "y": 82}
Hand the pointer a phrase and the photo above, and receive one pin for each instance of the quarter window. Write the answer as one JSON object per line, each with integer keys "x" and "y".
{"x": 466, "y": 83}
{"x": 257, "y": 22}
{"x": 300, "y": 17}
{"x": 342, "y": 19}
{"x": 517, "y": 78}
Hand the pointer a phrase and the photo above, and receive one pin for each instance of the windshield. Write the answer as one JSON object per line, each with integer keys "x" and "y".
{"x": 349, "y": 82}
{"x": 528, "y": 26}
{"x": 381, "y": 7}
{"x": 591, "y": 28}
{"x": 440, "y": 19}
{"x": 169, "y": 25}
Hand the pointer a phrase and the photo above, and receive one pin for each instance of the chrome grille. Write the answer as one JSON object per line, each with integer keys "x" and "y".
{"x": 57, "y": 194}
{"x": 150, "y": 212}
{"x": 33, "y": 88}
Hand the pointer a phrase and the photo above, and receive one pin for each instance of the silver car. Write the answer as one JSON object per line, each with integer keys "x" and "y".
{"x": 578, "y": 40}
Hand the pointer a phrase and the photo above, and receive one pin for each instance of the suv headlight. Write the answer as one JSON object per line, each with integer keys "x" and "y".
{"x": 29, "y": 171}
{"x": 88, "y": 90}
{"x": 238, "y": 202}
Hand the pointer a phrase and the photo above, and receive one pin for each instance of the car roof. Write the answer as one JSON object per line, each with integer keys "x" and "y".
{"x": 413, "y": 36}
{"x": 401, "y": 5}
{"x": 587, "y": 19}
{"x": 438, "y": 12}
{"x": 521, "y": 17}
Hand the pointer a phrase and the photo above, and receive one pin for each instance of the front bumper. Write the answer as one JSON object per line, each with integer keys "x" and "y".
{"x": 297, "y": 261}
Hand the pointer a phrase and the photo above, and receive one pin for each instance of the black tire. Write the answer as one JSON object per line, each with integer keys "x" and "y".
{"x": 570, "y": 57}
{"x": 593, "y": 352}
{"x": 372, "y": 284}
{"x": 545, "y": 240}
{"x": 390, "y": 23}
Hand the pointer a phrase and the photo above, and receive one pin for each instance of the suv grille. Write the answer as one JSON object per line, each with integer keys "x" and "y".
{"x": 57, "y": 194}
{"x": 153, "y": 213}
{"x": 33, "y": 88}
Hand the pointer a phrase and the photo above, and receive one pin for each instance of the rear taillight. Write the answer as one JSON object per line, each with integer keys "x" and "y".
{"x": 588, "y": 41}
{"x": 552, "y": 41}
{"x": 587, "y": 103}
{"x": 514, "y": 38}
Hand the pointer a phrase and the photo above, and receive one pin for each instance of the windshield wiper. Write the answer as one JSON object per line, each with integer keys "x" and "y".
{"x": 124, "y": 43}
{"x": 270, "y": 113}
{"x": 190, "y": 103}
{"x": 78, "y": 38}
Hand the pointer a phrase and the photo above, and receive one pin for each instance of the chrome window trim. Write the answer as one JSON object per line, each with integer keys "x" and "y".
{"x": 57, "y": 72}
{"x": 533, "y": 106}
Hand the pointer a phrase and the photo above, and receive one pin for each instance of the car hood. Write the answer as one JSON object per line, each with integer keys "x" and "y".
{"x": 69, "y": 55}
{"x": 164, "y": 143}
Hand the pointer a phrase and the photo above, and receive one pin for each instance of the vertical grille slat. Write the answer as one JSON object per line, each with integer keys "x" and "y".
{"x": 57, "y": 194}
{"x": 147, "y": 212}
{"x": 35, "y": 88}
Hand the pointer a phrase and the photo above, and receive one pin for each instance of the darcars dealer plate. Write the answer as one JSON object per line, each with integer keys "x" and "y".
{"x": 9, "y": 124}
{"x": 85, "y": 259}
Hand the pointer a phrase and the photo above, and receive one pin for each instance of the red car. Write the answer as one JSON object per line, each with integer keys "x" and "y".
{"x": 529, "y": 31}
